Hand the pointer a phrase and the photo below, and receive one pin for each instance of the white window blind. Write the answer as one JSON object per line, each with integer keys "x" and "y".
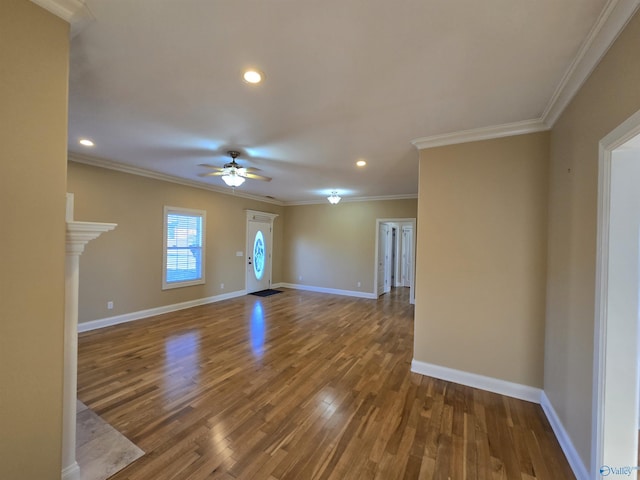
{"x": 183, "y": 247}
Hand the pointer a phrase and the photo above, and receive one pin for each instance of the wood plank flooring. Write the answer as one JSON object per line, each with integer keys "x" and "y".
{"x": 301, "y": 385}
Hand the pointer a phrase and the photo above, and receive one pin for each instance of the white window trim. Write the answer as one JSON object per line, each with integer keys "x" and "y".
{"x": 184, "y": 211}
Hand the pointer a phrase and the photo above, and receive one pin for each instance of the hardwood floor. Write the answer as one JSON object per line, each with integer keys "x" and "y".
{"x": 301, "y": 385}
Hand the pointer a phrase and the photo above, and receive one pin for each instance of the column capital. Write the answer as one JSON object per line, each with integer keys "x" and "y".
{"x": 81, "y": 233}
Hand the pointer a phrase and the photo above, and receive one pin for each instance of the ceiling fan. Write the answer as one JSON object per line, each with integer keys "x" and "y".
{"x": 232, "y": 173}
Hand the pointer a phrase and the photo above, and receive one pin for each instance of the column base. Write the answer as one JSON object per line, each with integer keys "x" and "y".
{"x": 72, "y": 472}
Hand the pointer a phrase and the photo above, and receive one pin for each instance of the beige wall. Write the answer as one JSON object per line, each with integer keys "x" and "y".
{"x": 330, "y": 246}
{"x": 125, "y": 266}
{"x": 481, "y": 260}
{"x": 609, "y": 96}
{"x": 333, "y": 246}
{"x": 34, "y": 52}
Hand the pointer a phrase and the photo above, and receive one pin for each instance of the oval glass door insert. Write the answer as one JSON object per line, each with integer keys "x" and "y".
{"x": 258, "y": 255}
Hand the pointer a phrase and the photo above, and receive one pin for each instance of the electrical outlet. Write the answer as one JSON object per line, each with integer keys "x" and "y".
{"x": 222, "y": 286}
{"x": 110, "y": 305}
{"x": 300, "y": 278}
{"x": 359, "y": 284}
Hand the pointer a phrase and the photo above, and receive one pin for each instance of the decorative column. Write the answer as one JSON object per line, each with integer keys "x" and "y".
{"x": 78, "y": 235}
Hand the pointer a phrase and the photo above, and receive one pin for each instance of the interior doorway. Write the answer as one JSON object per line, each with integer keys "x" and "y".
{"x": 616, "y": 353}
{"x": 394, "y": 255}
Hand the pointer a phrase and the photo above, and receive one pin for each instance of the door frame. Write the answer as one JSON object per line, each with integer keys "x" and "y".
{"x": 262, "y": 217}
{"x": 398, "y": 221}
{"x": 603, "y": 360}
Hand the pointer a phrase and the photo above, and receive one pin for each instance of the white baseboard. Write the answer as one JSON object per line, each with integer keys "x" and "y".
{"x": 576, "y": 463}
{"x": 71, "y": 472}
{"x": 495, "y": 385}
{"x": 516, "y": 390}
{"x": 333, "y": 291}
{"x": 130, "y": 317}
{"x": 502, "y": 387}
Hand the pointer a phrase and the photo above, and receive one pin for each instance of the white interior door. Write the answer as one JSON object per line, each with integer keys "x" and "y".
{"x": 258, "y": 256}
{"x": 407, "y": 255}
{"x": 388, "y": 266}
{"x": 383, "y": 241}
{"x": 393, "y": 262}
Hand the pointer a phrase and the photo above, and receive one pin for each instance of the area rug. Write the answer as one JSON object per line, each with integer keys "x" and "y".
{"x": 266, "y": 293}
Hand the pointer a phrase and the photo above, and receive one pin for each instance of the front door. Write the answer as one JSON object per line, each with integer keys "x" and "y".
{"x": 258, "y": 256}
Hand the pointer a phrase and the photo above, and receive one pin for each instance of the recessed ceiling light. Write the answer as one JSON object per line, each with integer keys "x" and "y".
{"x": 252, "y": 76}
{"x": 361, "y": 163}
{"x": 86, "y": 142}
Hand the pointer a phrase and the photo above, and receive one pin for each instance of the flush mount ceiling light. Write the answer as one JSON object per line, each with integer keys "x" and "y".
{"x": 361, "y": 163}
{"x": 86, "y": 142}
{"x": 333, "y": 198}
{"x": 252, "y": 76}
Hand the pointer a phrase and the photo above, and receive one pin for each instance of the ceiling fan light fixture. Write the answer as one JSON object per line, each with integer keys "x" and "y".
{"x": 232, "y": 179}
{"x": 334, "y": 198}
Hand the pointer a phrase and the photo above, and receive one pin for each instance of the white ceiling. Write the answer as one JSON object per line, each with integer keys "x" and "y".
{"x": 156, "y": 84}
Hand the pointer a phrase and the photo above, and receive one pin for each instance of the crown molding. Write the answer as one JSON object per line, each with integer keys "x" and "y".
{"x": 477, "y": 134}
{"x": 75, "y": 12}
{"x": 612, "y": 20}
{"x": 65, "y": 9}
{"x": 379, "y": 198}
{"x": 142, "y": 172}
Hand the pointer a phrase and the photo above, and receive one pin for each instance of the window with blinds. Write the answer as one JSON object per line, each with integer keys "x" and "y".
{"x": 183, "y": 247}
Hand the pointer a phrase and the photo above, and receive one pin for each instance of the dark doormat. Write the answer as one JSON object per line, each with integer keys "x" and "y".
{"x": 266, "y": 293}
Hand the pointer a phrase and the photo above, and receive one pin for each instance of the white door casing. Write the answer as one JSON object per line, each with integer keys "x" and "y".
{"x": 614, "y": 437}
{"x": 380, "y": 248}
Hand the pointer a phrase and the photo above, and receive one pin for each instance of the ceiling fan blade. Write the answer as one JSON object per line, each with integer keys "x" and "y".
{"x": 233, "y": 168}
{"x": 253, "y": 176}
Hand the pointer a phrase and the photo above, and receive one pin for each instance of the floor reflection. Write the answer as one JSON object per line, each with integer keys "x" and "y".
{"x": 182, "y": 362}
{"x": 257, "y": 330}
